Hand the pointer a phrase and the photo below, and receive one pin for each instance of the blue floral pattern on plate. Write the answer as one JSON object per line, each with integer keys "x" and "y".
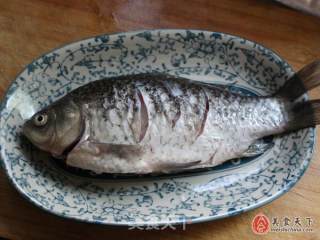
{"x": 227, "y": 190}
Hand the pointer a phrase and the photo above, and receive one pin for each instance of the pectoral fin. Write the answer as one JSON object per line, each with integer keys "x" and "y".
{"x": 88, "y": 154}
{"x": 257, "y": 148}
{"x": 174, "y": 167}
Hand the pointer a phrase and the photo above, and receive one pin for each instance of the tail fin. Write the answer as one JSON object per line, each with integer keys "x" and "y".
{"x": 304, "y": 114}
{"x": 302, "y": 81}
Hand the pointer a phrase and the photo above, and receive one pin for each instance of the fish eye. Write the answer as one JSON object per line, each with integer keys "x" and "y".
{"x": 40, "y": 119}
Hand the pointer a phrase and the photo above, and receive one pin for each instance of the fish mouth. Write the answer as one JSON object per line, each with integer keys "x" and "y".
{"x": 27, "y": 132}
{"x": 26, "y": 129}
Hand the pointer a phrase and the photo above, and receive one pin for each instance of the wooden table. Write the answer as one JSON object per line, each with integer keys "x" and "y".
{"x": 30, "y": 28}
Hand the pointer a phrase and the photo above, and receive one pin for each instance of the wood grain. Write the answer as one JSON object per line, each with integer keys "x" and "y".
{"x": 30, "y": 28}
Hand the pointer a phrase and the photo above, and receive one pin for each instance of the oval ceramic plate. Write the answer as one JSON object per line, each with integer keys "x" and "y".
{"x": 226, "y": 190}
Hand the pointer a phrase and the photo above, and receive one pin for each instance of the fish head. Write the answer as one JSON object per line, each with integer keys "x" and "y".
{"x": 55, "y": 128}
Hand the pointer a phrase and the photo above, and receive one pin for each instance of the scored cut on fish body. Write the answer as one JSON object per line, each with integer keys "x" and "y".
{"x": 159, "y": 123}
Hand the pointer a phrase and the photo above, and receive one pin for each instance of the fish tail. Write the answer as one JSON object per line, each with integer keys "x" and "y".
{"x": 301, "y": 82}
{"x": 304, "y": 114}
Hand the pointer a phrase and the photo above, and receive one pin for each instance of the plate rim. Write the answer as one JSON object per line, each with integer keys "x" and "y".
{"x": 4, "y": 167}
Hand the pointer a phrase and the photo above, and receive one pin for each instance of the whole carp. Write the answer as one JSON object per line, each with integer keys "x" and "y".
{"x": 157, "y": 123}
